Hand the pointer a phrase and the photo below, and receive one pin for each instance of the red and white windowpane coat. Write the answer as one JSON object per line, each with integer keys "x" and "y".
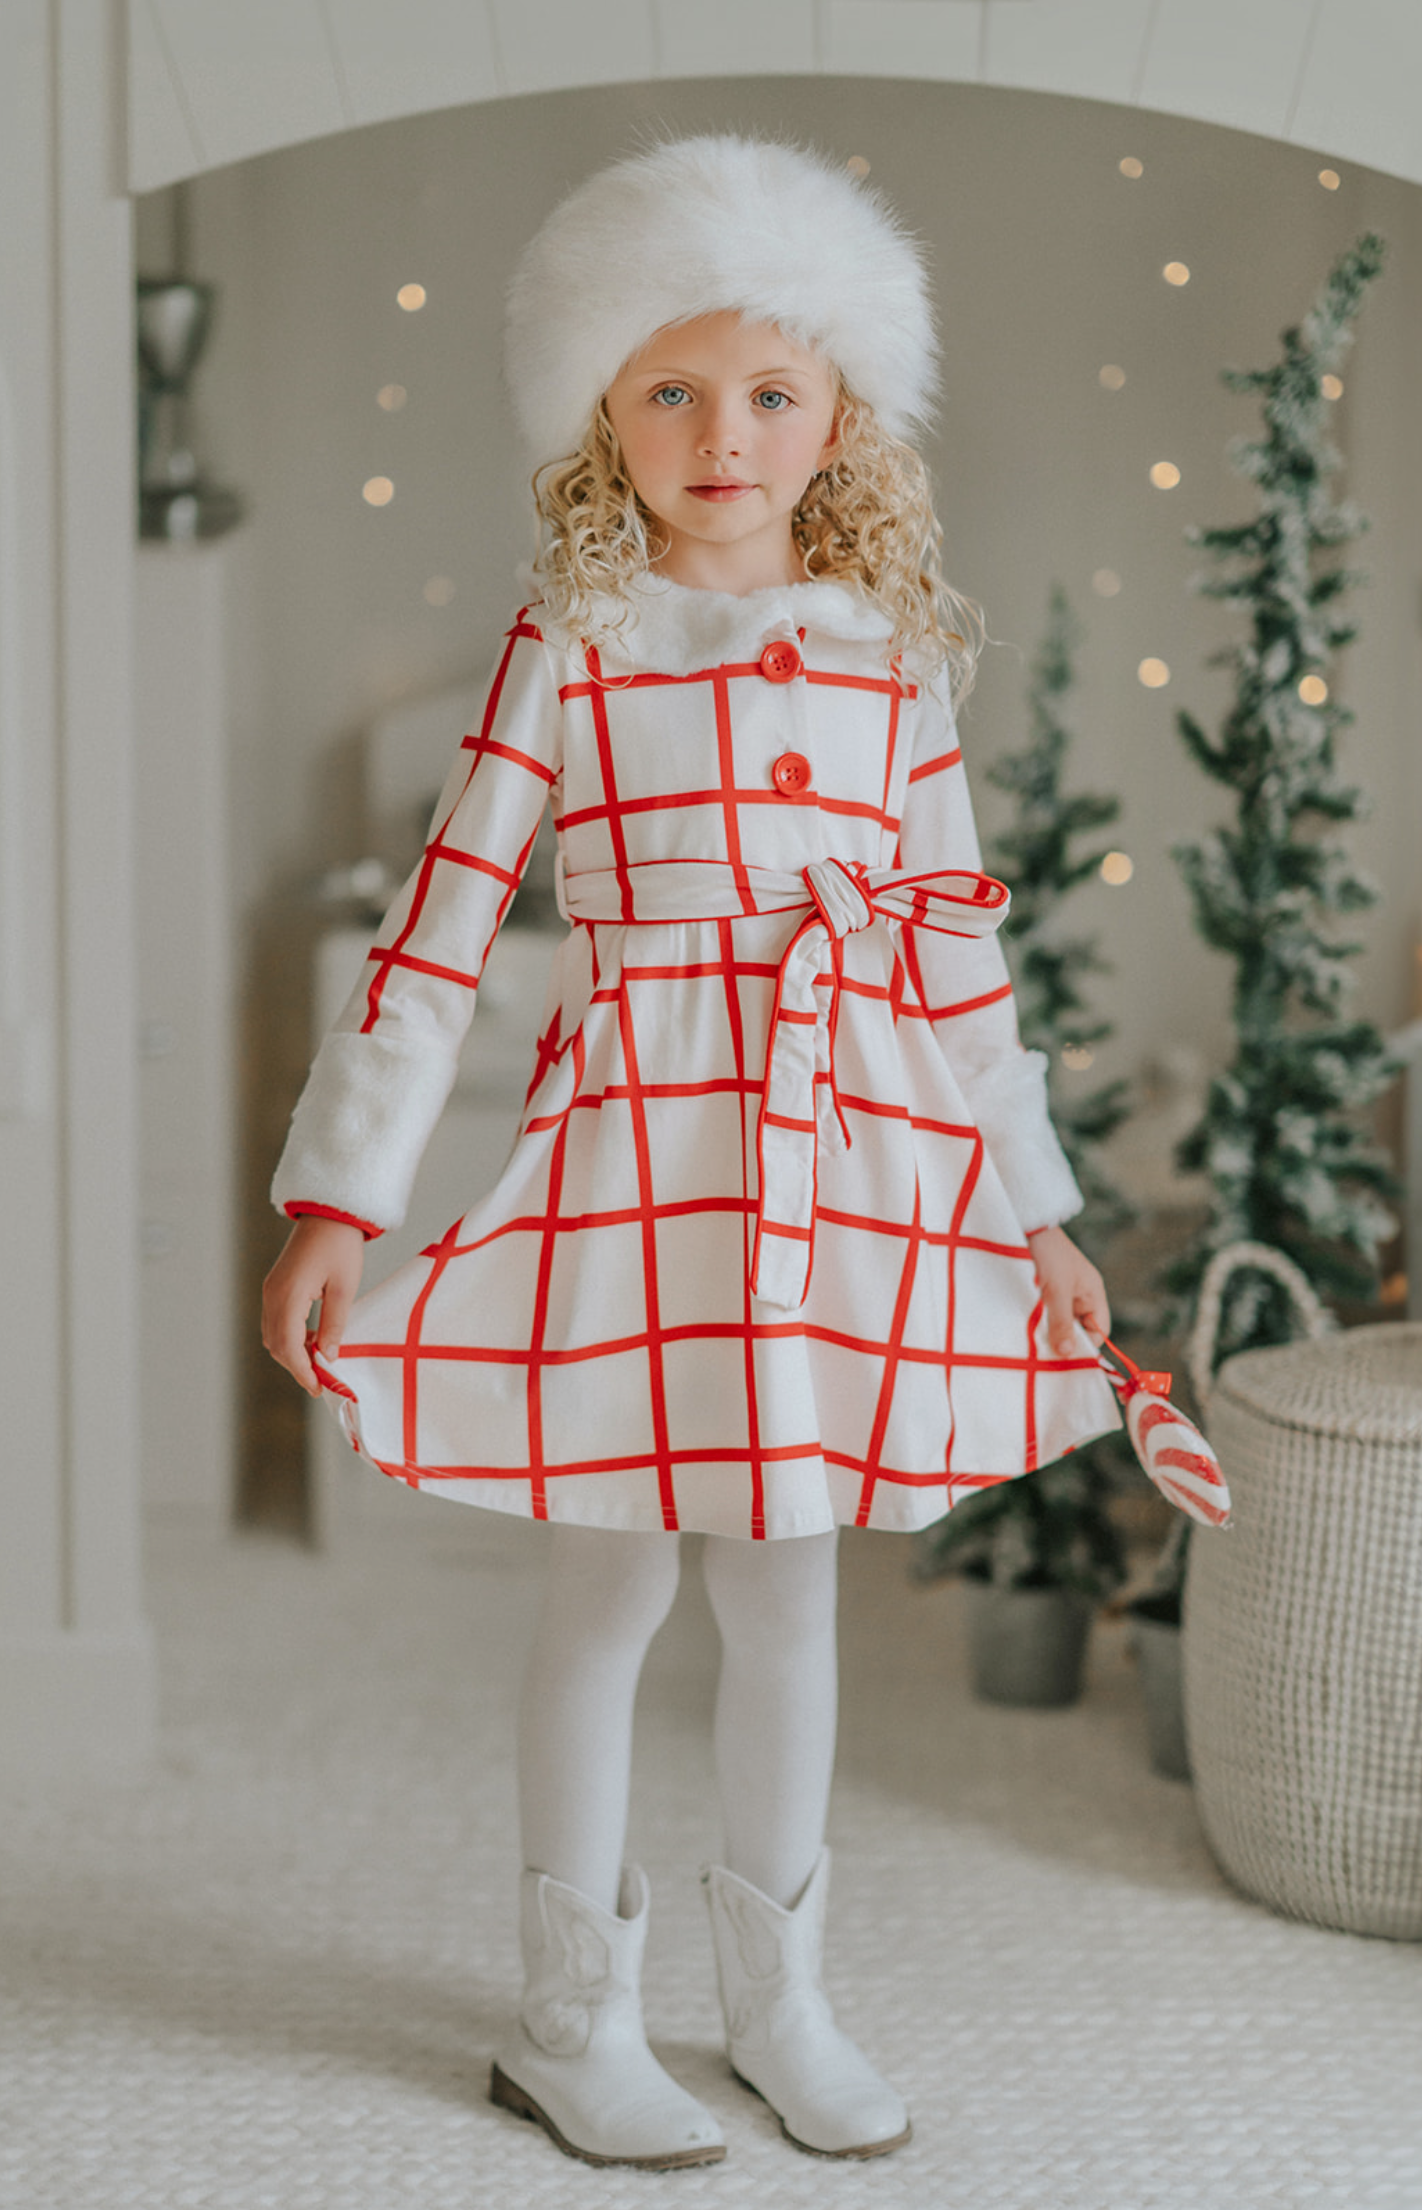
{"x": 687, "y": 1303}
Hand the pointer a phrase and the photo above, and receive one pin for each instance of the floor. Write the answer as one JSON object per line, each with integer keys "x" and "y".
{"x": 270, "y": 1971}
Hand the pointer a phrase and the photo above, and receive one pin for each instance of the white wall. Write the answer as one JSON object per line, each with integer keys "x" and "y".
{"x": 1047, "y": 265}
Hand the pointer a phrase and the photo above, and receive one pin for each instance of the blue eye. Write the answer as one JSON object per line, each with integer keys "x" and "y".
{"x": 773, "y": 402}
{"x": 671, "y": 395}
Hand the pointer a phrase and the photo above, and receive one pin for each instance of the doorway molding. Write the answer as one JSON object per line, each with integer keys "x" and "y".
{"x": 210, "y": 83}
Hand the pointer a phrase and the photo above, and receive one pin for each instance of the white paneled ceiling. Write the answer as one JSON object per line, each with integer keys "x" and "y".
{"x": 210, "y": 82}
{"x": 1253, "y": 81}
{"x": 250, "y": 78}
{"x": 451, "y": 60}
{"x": 1092, "y": 48}
{"x": 903, "y": 38}
{"x": 1362, "y": 89}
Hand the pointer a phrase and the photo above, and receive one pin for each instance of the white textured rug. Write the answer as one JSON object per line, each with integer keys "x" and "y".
{"x": 271, "y": 1972}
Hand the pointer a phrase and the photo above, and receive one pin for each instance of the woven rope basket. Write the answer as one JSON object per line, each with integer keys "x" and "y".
{"x": 1303, "y": 1629}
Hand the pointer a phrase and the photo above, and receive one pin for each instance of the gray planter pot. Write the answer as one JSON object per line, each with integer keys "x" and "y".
{"x": 1028, "y": 1645}
{"x": 1157, "y": 1645}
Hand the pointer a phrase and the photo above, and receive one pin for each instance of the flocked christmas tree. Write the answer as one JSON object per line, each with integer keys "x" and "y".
{"x": 1042, "y": 857}
{"x": 1283, "y": 1140}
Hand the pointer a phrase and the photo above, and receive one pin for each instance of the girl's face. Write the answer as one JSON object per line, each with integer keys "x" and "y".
{"x": 722, "y": 423}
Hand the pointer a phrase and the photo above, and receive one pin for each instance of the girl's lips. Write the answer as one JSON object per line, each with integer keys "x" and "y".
{"x": 719, "y": 492}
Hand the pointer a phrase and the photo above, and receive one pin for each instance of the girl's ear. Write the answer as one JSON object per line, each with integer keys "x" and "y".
{"x": 830, "y": 449}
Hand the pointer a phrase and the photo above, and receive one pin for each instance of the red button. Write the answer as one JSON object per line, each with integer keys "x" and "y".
{"x": 791, "y": 773}
{"x": 780, "y": 662}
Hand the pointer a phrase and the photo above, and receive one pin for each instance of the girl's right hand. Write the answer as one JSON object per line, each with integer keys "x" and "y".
{"x": 321, "y": 1262}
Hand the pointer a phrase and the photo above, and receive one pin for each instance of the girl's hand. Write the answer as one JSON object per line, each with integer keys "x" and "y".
{"x": 1071, "y": 1288}
{"x": 322, "y": 1260}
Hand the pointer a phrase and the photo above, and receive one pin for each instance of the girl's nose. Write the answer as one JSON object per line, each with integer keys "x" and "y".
{"x": 720, "y": 437}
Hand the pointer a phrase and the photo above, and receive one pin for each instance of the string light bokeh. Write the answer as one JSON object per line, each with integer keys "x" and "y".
{"x": 1152, "y": 672}
{"x": 1107, "y": 583}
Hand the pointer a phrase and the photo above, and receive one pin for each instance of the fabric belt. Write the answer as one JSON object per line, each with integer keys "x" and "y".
{"x": 800, "y": 1106}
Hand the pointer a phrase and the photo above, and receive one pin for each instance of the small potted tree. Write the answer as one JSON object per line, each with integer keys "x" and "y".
{"x": 1039, "y": 1554}
{"x": 1154, "y": 1625}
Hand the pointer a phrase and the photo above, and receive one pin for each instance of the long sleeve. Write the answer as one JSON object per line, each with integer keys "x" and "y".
{"x": 964, "y": 985}
{"x": 383, "y": 1073}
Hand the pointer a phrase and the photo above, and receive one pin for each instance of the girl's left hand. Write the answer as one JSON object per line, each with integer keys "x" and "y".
{"x": 1071, "y": 1288}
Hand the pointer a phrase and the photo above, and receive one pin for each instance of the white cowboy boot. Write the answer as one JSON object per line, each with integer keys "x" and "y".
{"x": 577, "y": 2061}
{"x": 780, "y": 2031}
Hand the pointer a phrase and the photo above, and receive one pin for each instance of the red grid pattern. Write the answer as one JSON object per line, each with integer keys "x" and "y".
{"x": 443, "y": 851}
{"x": 585, "y": 1343}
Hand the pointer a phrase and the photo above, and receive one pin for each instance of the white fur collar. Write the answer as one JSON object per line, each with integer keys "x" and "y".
{"x": 676, "y": 630}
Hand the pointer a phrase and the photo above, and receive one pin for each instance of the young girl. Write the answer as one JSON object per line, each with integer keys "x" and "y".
{"x": 778, "y": 1246}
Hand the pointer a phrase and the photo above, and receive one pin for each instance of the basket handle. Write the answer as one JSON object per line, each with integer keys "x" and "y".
{"x": 1259, "y": 1258}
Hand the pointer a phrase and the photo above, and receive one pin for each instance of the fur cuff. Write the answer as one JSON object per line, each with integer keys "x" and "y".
{"x": 1008, "y": 1100}
{"x": 361, "y": 1126}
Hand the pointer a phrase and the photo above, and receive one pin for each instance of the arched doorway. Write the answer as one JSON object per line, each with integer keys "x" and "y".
{"x": 78, "y": 1673}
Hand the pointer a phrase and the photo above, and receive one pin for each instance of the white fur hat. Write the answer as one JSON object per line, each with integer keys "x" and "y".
{"x": 699, "y": 225}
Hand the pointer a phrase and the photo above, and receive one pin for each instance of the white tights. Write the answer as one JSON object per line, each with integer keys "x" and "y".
{"x": 606, "y": 1595}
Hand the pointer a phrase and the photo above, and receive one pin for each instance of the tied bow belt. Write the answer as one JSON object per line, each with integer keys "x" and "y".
{"x": 800, "y": 1106}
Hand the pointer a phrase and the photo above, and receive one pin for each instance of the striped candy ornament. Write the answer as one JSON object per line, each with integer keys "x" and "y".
{"x": 1171, "y": 1449}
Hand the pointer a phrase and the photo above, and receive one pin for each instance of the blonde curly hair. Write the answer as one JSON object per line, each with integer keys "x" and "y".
{"x": 865, "y": 519}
